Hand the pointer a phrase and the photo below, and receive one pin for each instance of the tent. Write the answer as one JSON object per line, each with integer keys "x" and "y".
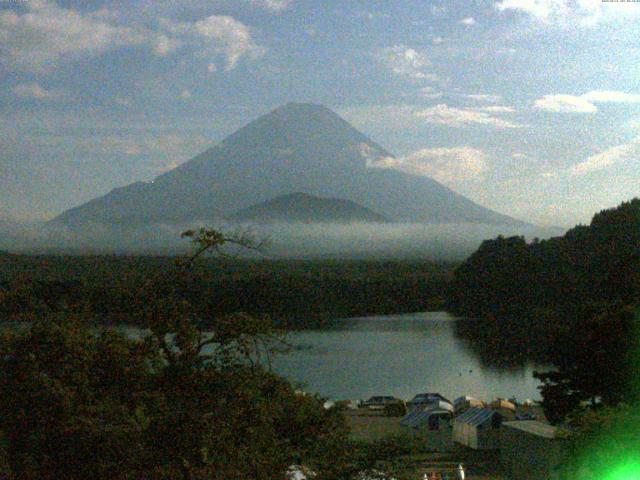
{"x": 432, "y": 426}
{"x": 461, "y": 404}
{"x": 430, "y": 418}
{"x": 425, "y": 400}
{"x": 532, "y": 449}
{"x": 501, "y": 403}
{"x": 478, "y": 428}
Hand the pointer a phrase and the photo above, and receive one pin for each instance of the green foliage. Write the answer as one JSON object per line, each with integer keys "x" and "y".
{"x": 68, "y": 395}
{"x": 78, "y": 402}
{"x": 596, "y": 365}
{"x": 603, "y": 444}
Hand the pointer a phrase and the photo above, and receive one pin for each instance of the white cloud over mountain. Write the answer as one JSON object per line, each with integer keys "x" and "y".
{"x": 583, "y": 103}
{"x": 215, "y": 34}
{"x": 609, "y": 157}
{"x": 564, "y": 104}
{"x": 451, "y": 166}
{"x": 275, "y": 5}
{"x": 443, "y": 114}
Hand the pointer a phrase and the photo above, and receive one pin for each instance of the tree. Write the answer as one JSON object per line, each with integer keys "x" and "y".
{"x": 68, "y": 395}
{"x": 185, "y": 401}
{"x": 597, "y": 363}
{"x": 603, "y": 443}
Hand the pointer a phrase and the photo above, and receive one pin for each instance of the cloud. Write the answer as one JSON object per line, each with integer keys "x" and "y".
{"x": 430, "y": 93}
{"x": 450, "y": 166}
{"x": 275, "y": 5}
{"x": 407, "y": 62}
{"x": 540, "y": 9}
{"x": 437, "y": 40}
{"x": 230, "y": 36}
{"x": 216, "y": 35}
{"x": 484, "y": 97}
{"x": 583, "y": 103}
{"x": 467, "y": 21}
{"x": 586, "y": 13}
{"x": 564, "y": 104}
{"x": 610, "y": 96}
{"x": 438, "y": 10}
{"x": 610, "y": 156}
{"x": 165, "y": 45}
{"x": 498, "y": 109}
{"x": 43, "y": 35}
{"x": 34, "y": 90}
{"x": 443, "y": 114}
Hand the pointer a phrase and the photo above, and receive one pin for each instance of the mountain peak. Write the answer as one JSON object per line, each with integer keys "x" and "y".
{"x": 302, "y": 107}
{"x": 298, "y": 147}
{"x": 295, "y": 113}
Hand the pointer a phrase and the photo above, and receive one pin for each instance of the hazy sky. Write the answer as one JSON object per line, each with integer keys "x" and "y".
{"x": 530, "y": 107}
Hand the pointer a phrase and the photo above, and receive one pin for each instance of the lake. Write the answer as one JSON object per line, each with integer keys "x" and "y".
{"x": 398, "y": 355}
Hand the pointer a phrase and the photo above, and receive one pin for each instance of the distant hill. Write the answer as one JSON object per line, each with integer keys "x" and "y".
{"x": 295, "y": 148}
{"x": 302, "y": 208}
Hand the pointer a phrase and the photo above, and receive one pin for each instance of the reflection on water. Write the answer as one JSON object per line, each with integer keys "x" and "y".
{"x": 398, "y": 355}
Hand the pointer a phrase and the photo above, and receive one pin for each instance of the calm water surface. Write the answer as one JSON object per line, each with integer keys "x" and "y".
{"x": 398, "y": 355}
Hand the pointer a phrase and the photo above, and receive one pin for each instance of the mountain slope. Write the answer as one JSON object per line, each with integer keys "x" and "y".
{"x": 295, "y": 148}
{"x": 300, "y": 207}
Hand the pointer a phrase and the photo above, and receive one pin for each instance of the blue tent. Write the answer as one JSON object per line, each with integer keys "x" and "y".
{"x": 430, "y": 417}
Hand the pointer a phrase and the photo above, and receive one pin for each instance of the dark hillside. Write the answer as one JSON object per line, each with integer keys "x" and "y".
{"x": 595, "y": 263}
{"x": 530, "y": 300}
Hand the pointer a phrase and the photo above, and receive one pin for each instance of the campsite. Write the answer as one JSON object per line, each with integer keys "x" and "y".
{"x": 439, "y": 436}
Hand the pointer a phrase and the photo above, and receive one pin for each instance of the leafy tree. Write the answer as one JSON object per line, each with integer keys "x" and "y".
{"x": 603, "y": 443}
{"x": 597, "y": 363}
{"x": 192, "y": 399}
{"x": 70, "y": 401}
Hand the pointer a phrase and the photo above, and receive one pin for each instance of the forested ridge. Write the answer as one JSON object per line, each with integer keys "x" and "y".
{"x": 296, "y": 294}
{"x": 571, "y": 300}
{"x": 589, "y": 264}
